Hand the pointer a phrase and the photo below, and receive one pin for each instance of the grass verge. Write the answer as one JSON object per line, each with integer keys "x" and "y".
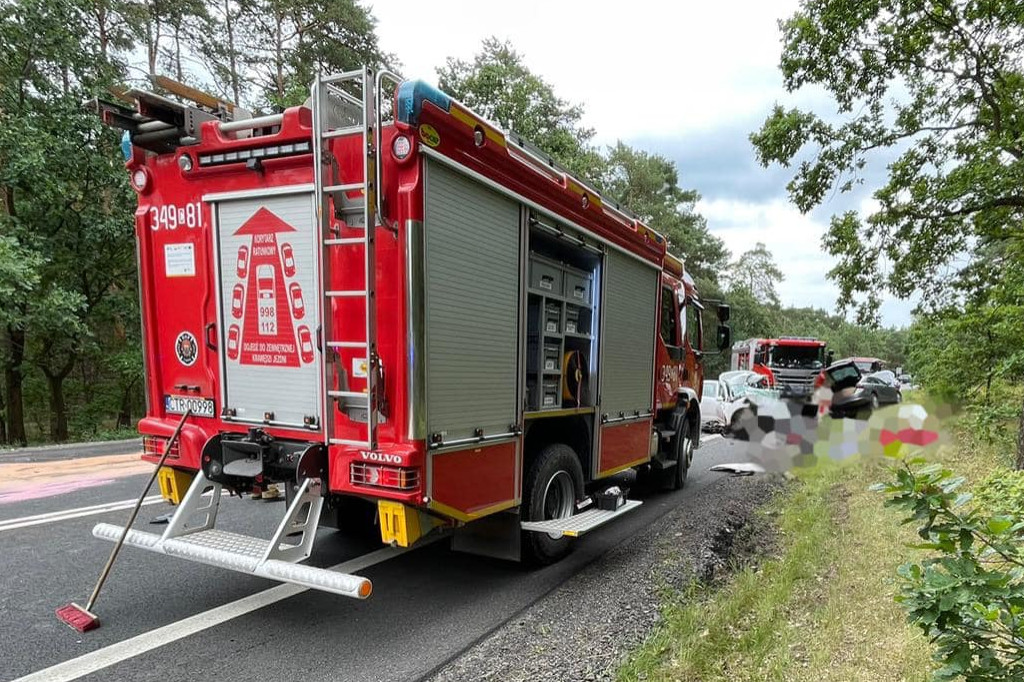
{"x": 822, "y": 608}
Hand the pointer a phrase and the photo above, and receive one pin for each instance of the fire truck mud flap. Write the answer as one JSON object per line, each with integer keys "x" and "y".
{"x": 191, "y": 535}
{"x": 578, "y": 524}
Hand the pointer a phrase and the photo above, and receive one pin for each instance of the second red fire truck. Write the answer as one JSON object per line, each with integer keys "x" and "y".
{"x": 791, "y": 363}
{"x": 414, "y": 315}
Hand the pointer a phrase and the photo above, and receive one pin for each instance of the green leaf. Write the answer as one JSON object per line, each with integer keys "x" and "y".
{"x": 998, "y": 525}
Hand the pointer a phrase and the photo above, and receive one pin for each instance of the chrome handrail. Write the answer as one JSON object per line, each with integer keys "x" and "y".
{"x": 379, "y": 138}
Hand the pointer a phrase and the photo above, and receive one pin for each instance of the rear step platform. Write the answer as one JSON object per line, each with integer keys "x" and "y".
{"x": 191, "y": 535}
{"x": 578, "y": 524}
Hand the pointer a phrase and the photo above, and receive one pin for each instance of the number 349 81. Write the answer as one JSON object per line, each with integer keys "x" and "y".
{"x": 172, "y": 216}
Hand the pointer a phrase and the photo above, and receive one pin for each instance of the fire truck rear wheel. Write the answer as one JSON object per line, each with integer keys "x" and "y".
{"x": 683, "y": 445}
{"x": 551, "y": 486}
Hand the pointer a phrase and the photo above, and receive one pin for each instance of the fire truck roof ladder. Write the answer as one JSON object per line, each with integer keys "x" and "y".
{"x": 159, "y": 124}
{"x": 331, "y": 95}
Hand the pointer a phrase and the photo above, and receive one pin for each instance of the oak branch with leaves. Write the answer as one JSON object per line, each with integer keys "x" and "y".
{"x": 936, "y": 89}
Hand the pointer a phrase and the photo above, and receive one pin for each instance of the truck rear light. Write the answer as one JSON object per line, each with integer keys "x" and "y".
{"x": 153, "y": 446}
{"x": 383, "y": 476}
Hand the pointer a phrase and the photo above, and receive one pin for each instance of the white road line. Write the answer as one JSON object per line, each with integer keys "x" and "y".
{"x": 172, "y": 632}
{"x": 64, "y": 515}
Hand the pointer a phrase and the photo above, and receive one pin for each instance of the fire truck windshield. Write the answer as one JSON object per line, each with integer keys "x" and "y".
{"x": 798, "y": 357}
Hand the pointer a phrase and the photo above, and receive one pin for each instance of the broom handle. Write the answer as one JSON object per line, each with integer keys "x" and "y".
{"x": 135, "y": 511}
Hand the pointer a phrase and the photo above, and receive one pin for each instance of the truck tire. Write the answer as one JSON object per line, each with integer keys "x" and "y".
{"x": 551, "y": 486}
{"x": 683, "y": 446}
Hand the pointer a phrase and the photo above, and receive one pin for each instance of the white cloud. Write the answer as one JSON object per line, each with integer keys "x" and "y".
{"x": 656, "y": 71}
{"x": 795, "y": 241}
{"x": 648, "y": 67}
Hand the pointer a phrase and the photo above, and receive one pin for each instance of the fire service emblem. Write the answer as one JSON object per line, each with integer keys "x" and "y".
{"x": 186, "y": 348}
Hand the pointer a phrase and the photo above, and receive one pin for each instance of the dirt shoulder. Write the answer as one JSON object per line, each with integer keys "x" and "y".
{"x": 585, "y": 628}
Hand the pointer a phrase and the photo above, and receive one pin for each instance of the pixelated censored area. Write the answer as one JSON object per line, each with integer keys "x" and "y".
{"x": 784, "y": 435}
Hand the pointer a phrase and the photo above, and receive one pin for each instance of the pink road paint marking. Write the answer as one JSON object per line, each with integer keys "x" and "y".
{"x": 51, "y": 489}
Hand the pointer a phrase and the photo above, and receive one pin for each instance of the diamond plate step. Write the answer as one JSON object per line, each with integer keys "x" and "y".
{"x": 219, "y": 548}
{"x": 578, "y": 524}
{"x": 276, "y": 558}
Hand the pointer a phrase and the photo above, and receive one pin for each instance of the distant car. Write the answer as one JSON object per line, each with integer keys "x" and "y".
{"x": 881, "y": 388}
{"x": 888, "y": 377}
{"x": 744, "y": 393}
{"x": 868, "y": 365}
{"x": 848, "y": 399}
{"x": 906, "y": 382}
{"x": 712, "y": 412}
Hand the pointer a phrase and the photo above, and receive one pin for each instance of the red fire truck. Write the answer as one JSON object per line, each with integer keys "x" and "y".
{"x": 388, "y": 304}
{"x": 791, "y": 363}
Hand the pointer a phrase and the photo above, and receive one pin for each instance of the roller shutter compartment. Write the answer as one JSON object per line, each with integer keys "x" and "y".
{"x": 627, "y": 347}
{"x": 472, "y": 285}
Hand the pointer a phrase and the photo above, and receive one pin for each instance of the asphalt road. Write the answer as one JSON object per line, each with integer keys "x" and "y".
{"x": 165, "y": 618}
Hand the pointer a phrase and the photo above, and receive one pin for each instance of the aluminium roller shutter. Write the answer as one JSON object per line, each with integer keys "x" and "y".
{"x": 472, "y": 284}
{"x": 627, "y": 350}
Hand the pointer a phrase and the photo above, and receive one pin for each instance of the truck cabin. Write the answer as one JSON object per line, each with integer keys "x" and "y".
{"x": 794, "y": 354}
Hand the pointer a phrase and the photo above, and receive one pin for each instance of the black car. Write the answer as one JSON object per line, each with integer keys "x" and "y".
{"x": 881, "y": 388}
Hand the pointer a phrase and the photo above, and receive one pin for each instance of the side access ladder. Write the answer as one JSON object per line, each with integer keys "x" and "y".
{"x": 337, "y": 112}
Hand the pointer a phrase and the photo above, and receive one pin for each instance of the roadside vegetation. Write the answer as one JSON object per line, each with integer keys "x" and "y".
{"x": 823, "y": 606}
{"x": 921, "y": 576}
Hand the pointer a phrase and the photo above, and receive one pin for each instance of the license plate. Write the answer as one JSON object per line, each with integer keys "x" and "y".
{"x": 177, "y": 404}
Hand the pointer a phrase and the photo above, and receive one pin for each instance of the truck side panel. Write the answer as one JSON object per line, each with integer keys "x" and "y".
{"x": 472, "y": 285}
{"x": 630, "y": 297}
{"x": 468, "y": 484}
{"x": 623, "y": 446}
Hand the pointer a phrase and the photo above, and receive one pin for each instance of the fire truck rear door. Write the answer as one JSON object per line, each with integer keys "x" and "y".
{"x": 268, "y": 307}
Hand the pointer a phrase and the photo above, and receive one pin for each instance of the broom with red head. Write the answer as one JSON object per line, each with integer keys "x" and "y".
{"x": 83, "y": 619}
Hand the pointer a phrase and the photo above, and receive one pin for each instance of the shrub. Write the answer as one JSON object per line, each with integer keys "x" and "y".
{"x": 968, "y": 596}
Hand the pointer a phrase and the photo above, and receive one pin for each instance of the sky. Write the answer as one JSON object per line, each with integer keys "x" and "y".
{"x": 688, "y": 80}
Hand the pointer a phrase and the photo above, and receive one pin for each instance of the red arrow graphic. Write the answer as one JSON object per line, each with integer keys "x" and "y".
{"x": 268, "y": 334}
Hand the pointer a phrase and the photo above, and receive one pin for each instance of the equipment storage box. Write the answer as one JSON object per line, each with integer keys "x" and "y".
{"x": 573, "y": 320}
{"x": 545, "y": 275}
{"x": 549, "y": 393}
{"x": 546, "y": 398}
{"x": 551, "y": 352}
{"x": 552, "y": 317}
{"x": 549, "y": 362}
{"x": 577, "y": 286}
